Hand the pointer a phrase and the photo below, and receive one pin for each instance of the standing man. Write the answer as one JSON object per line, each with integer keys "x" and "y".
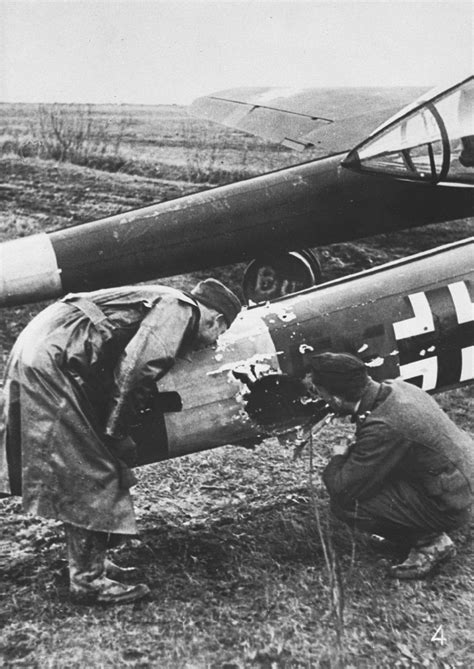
{"x": 76, "y": 381}
{"x": 408, "y": 476}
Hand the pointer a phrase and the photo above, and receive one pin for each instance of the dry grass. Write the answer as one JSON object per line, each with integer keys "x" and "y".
{"x": 231, "y": 550}
{"x": 156, "y": 142}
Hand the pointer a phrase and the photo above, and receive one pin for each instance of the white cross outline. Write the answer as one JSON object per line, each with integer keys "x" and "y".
{"x": 421, "y": 323}
{"x": 426, "y": 368}
{"x": 464, "y": 308}
{"x": 467, "y": 366}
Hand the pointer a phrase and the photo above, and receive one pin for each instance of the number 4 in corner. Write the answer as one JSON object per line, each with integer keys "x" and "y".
{"x": 438, "y": 636}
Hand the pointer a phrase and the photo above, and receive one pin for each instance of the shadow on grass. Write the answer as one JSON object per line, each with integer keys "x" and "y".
{"x": 222, "y": 552}
{"x": 253, "y": 585}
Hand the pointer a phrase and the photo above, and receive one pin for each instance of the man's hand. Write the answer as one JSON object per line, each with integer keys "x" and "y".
{"x": 341, "y": 449}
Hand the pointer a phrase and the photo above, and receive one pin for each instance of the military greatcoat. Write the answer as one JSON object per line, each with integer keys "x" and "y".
{"x": 76, "y": 380}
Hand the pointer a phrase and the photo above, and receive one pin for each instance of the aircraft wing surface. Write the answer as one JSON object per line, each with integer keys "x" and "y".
{"x": 330, "y": 119}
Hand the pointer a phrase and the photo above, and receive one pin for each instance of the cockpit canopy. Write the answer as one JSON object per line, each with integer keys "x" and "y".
{"x": 432, "y": 140}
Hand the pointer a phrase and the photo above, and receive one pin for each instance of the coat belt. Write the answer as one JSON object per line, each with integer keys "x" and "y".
{"x": 88, "y": 308}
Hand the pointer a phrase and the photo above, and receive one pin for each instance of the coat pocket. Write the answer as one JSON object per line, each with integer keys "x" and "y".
{"x": 451, "y": 487}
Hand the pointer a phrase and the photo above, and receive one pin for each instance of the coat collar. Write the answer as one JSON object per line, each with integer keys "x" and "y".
{"x": 367, "y": 402}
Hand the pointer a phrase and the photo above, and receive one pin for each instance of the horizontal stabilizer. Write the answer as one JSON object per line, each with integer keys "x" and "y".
{"x": 319, "y": 118}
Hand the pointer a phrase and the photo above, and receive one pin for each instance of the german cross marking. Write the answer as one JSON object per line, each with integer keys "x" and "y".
{"x": 436, "y": 342}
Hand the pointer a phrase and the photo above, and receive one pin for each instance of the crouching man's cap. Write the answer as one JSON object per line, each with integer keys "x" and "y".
{"x": 338, "y": 373}
{"x": 215, "y": 295}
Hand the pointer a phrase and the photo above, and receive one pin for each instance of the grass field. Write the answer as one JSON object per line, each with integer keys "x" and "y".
{"x": 232, "y": 541}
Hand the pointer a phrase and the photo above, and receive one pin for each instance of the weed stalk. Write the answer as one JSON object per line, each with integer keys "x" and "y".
{"x": 331, "y": 559}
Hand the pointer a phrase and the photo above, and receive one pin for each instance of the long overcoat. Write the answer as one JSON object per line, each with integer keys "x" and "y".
{"x": 76, "y": 380}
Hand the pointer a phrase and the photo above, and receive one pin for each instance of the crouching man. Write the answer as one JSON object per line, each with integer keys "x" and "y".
{"x": 408, "y": 476}
{"x": 76, "y": 381}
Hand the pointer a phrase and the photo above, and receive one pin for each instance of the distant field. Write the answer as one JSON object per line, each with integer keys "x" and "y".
{"x": 159, "y": 142}
{"x": 230, "y": 544}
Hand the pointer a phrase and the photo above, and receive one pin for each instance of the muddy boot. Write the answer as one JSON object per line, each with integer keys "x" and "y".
{"x": 114, "y": 592}
{"x": 424, "y": 557}
{"x": 113, "y": 570}
{"x": 88, "y": 582}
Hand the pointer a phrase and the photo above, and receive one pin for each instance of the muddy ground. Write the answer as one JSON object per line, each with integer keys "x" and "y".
{"x": 230, "y": 544}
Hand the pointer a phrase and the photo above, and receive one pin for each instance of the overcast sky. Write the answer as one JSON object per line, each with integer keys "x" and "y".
{"x": 171, "y": 52}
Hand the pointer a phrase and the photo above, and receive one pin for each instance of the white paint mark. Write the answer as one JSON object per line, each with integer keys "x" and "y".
{"x": 364, "y": 347}
{"x": 395, "y": 352}
{"x": 421, "y": 322}
{"x": 255, "y": 372}
{"x": 239, "y": 365}
{"x": 376, "y": 362}
{"x": 305, "y": 347}
{"x": 427, "y": 368}
{"x": 422, "y": 352}
{"x": 431, "y": 349}
{"x": 309, "y": 400}
{"x": 287, "y": 317}
{"x": 282, "y": 312}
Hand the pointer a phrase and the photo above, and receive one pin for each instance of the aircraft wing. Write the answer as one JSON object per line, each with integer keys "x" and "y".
{"x": 322, "y": 118}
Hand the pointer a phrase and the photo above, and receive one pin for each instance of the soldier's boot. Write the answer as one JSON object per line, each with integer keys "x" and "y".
{"x": 113, "y": 570}
{"x": 88, "y": 581}
{"x": 427, "y": 554}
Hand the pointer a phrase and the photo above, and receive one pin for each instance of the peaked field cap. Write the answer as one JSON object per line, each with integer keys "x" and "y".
{"x": 338, "y": 372}
{"x": 213, "y": 294}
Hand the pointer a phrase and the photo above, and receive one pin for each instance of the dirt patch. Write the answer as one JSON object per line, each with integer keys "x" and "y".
{"x": 58, "y": 195}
